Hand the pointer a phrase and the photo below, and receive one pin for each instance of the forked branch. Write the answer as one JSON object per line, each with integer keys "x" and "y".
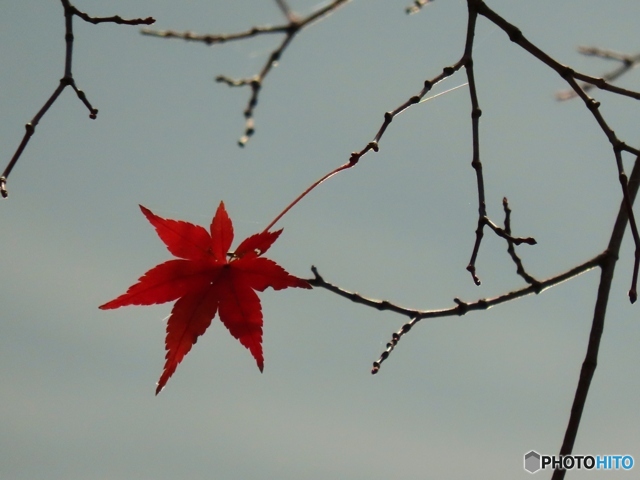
{"x": 627, "y": 62}
{"x": 66, "y": 81}
{"x": 605, "y": 260}
{"x": 610, "y": 257}
{"x": 572, "y": 77}
{"x": 461, "y": 308}
{"x": 290, "y": 29}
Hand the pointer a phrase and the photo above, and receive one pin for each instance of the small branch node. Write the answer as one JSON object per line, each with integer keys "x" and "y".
{"x": 515, "y": 34}
{"x": 463, "y": 307}
{"x": 472, "y": 270}
{"x": 593, "y": 104}
{"x": 622, "y": 178}
{"x": 633, "y": 295}
{"x": 567, "y": 73}
{"x": 383, "y": 305}
{"x": 3, "y": 187}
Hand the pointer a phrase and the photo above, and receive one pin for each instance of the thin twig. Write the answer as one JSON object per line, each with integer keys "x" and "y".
{"x": 475, "y": 134}
{"x": 353, "y": 161}
{"x": 290, "y": 30}
{"x": 571, "y": 77}
{"x": 605, "y": 260}
{"x": 502, "y": 233}
{"x": 67, "y": 81}
{"x": 286, "y": 10}
{"x": 114, "y": 19}
{"x": 461, "y": 307}
{"x": 212, "y": 39}
{"x": 627, "y": 63}
{"x": 373, "y": 145}
{"x": 417, "y": 6}
{"x": 511, "y": 246}
{"x": 256, "y": 84}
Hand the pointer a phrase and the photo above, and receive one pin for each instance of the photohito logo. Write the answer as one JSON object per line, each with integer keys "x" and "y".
{"x": 533, "y": 462}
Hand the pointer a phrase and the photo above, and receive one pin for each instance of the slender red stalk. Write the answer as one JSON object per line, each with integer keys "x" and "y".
{"x": 311, "y": 187}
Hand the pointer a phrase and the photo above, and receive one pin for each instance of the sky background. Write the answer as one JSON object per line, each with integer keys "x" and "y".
{"x": 460, "y": 397}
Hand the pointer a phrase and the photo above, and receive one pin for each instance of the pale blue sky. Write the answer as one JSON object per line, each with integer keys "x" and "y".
{"x": 460, "y": 397}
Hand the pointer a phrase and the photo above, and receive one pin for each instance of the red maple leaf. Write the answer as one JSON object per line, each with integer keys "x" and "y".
{"x": 205, "y": 280}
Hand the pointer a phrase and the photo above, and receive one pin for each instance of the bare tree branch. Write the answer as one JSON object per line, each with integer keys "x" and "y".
{"x": 286, "y": 10}
{"x": 511, "y": 246}
{"x": 461, "y": 307}
{"x": 417, "y": 6}
{"x": 580, "y": 84}
{"x": 114, "y": 19}
{"x": 67, "y": 81}
{"x": 290, "y": 30}
{"x": 570, "y": 76}
{"x": 628, "y": 62}
{"x": 606, "y": 260}
{"x": 609, "y": 259}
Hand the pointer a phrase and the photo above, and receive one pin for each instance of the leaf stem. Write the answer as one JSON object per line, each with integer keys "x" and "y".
{"x": 347, "y": 165}
{"x": 373, "y": 145}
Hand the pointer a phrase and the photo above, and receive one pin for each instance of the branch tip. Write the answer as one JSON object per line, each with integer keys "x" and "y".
{"x": 472, "y": 270}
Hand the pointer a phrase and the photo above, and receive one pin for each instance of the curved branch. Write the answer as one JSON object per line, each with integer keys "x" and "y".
{"x": 461, "y": 308}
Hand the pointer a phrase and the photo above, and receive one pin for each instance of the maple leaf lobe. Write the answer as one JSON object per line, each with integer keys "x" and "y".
{"x": 257, "y": 244}
{"x": 206, "y": 280}
{"x": 183, "y": 239}
{"x": 221, "y": 234}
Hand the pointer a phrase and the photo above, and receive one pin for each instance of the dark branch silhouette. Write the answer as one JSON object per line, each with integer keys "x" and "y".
{"x": 511, "y": 246}
{"x": 417, "y": 6}
{"x": 627, "y": 63}
{"x": 608, "y": 265}
{"x": 289, "y": 30}
{"x": 579, "y": 84}
{"x": 66, "y": 81}
{"x": 605, "y": 260}
{"x": 461, "y": 308}
{"x": 571, "y": 77}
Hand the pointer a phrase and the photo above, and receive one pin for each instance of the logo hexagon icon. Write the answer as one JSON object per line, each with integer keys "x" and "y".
{"x": 532, "y": 461}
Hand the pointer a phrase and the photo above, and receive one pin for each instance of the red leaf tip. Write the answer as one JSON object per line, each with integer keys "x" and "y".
{"x": 205, "y": 283}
